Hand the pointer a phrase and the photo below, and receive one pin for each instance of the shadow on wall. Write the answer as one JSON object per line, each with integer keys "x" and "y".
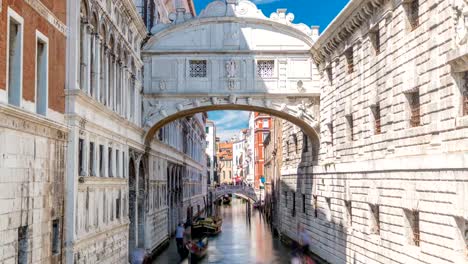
{"x": 305, "y": 202}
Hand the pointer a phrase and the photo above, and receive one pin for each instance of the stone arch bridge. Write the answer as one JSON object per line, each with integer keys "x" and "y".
{"x": 231, "y": 57}
{"x": 243, "y": 191}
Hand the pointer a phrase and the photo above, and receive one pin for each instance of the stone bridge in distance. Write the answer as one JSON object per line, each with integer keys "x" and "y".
{"x": 240, "y": 190}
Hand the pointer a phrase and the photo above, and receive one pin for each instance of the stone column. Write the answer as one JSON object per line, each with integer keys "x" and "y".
{"x": 85, "y": 58}
{"x": 105, "y": 88}
{"x": 97, "y": 66}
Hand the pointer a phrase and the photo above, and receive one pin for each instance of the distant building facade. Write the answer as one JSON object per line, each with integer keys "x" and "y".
{"x": 225, "y": 162}
{"x": 262, "y": 125}
{"x": 239, "y": 155}
{"x": 155, "y": 12}
{"x": 211, "y": 151}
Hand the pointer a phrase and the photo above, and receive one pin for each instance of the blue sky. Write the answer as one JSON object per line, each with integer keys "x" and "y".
{"x": 310, "y": 12}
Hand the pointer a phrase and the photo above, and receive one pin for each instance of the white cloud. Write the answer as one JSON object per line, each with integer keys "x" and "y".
{"x": 226, "y": 134}
{"x": 232, "y": 119}
{"x": 229, "y": 123}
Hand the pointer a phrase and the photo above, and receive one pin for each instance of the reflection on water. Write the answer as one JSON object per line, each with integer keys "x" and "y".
{"x": 239, "y": 242}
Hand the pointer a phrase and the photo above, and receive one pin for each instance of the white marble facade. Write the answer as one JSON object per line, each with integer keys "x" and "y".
{"x": 118, "y": 190}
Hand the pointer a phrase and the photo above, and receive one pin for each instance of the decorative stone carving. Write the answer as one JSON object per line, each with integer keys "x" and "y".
{"x": 162, "y": 85}
{"x": 214, "y": 100}
{"x": 300, "y": 86}
{"x": 196, "y": 103}
{"x": 460, "y": 9}
{"x": 231, "y": 69}
{"x": 304, "y": 111}
{"x": 153, "y": 110}
{"x": 249, "y": 100}
{"x": 232, "y": 99}
{"x": 180, "y": 107}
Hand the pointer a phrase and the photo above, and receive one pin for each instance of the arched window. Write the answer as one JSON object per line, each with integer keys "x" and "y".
{"x": 111, "y": 71}
{"x": 102, "y": 63}
{"x": 83, "y": 39}
{"x": 94, "y": 69}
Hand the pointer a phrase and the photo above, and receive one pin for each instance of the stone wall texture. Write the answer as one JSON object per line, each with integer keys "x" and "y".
{"x": 360, "y": 198}
{"x": 32, "y": 155}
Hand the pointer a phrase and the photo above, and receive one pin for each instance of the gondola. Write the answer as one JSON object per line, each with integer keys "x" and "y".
{"x": 197, "y": 248}
{"x": 226, "y": 199}
{"x": 209, "y": 226}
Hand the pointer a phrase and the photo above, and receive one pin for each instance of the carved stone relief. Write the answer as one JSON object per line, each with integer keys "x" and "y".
{"x": 460, "y": 9}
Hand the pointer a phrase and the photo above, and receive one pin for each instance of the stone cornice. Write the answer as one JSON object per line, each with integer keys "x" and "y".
{"x": 229, "y": 19}
{"x": 47, "y": 14}
{"x": 343, "y": 26}
{"x": 100, "y": 108}
{"x": 135, "y": 17}
{"x": 38, "y": 120}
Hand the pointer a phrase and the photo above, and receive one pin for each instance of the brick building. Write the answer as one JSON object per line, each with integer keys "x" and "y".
{"x": 225, "y": 168}
{"x": 261, "y": 129}
{"x": 33, "y": 136}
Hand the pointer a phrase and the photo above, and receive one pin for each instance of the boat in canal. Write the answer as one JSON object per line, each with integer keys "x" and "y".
{"x": 209, "y": 226}
{"x": 197, "y": 248}
{"x": 226, "y": 199}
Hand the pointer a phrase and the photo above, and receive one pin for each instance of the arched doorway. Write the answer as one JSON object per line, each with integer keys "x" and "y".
{"x": 141, "y": 205}
{"x": 132, "y": 181}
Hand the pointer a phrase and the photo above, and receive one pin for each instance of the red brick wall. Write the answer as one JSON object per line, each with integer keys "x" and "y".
{"x": 57, "y": 46}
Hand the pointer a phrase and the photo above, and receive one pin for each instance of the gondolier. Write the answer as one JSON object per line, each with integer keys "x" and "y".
{"x": 180, "y": 231}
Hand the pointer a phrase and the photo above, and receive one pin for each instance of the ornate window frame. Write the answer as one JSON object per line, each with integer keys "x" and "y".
{"x": 274, "y": 72}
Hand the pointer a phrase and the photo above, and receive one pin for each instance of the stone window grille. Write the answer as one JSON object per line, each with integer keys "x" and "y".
{"x": 414, "y": 103}
{"x": 375, "y": 38}
{"x": 303, "y": 203}
{"x": 329, "y": 71}
{"x": 350, "y": 120}
{"x": 293, "y": 211}
{"x": 81, "y": 168}
{"x": 465, "y": 94}
{"x": 23, "y": 244}
{"x": 330, "y": 128}
{"x": 413, "y": 13}
{"x": 377, "y": 119}
{"x": 315, "y": 206}
{"x": 265, "y": 68}
{"x": 110, "y": 162}
{"x": 349, "y": 211}
{"x": 349, "y": 54}
{"x": 117, "y": 163}
{"x": 101, "y": 160}
{"x": 305, "y": 143}
{"x": 375, "y": 213}
{"x": 286, "y": 199}
{"x": 117, "y": 206}
{"x": 412, "y": 217}
{"x": 55, "y": 237}
{"x": 91, "y": 159}
{"x": 198, "y": 68}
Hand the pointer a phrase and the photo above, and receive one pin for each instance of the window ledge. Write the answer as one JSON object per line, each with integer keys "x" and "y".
{"x": 461, "y": 121}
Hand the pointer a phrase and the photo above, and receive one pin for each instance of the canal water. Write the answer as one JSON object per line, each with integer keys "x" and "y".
{"x": 240, "y": 242}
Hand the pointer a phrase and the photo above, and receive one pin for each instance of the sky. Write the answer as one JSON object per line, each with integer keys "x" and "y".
{"x": 310, "y": 12}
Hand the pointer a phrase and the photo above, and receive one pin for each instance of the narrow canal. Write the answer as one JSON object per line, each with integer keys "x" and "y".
{"x": 240, "y": 242}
